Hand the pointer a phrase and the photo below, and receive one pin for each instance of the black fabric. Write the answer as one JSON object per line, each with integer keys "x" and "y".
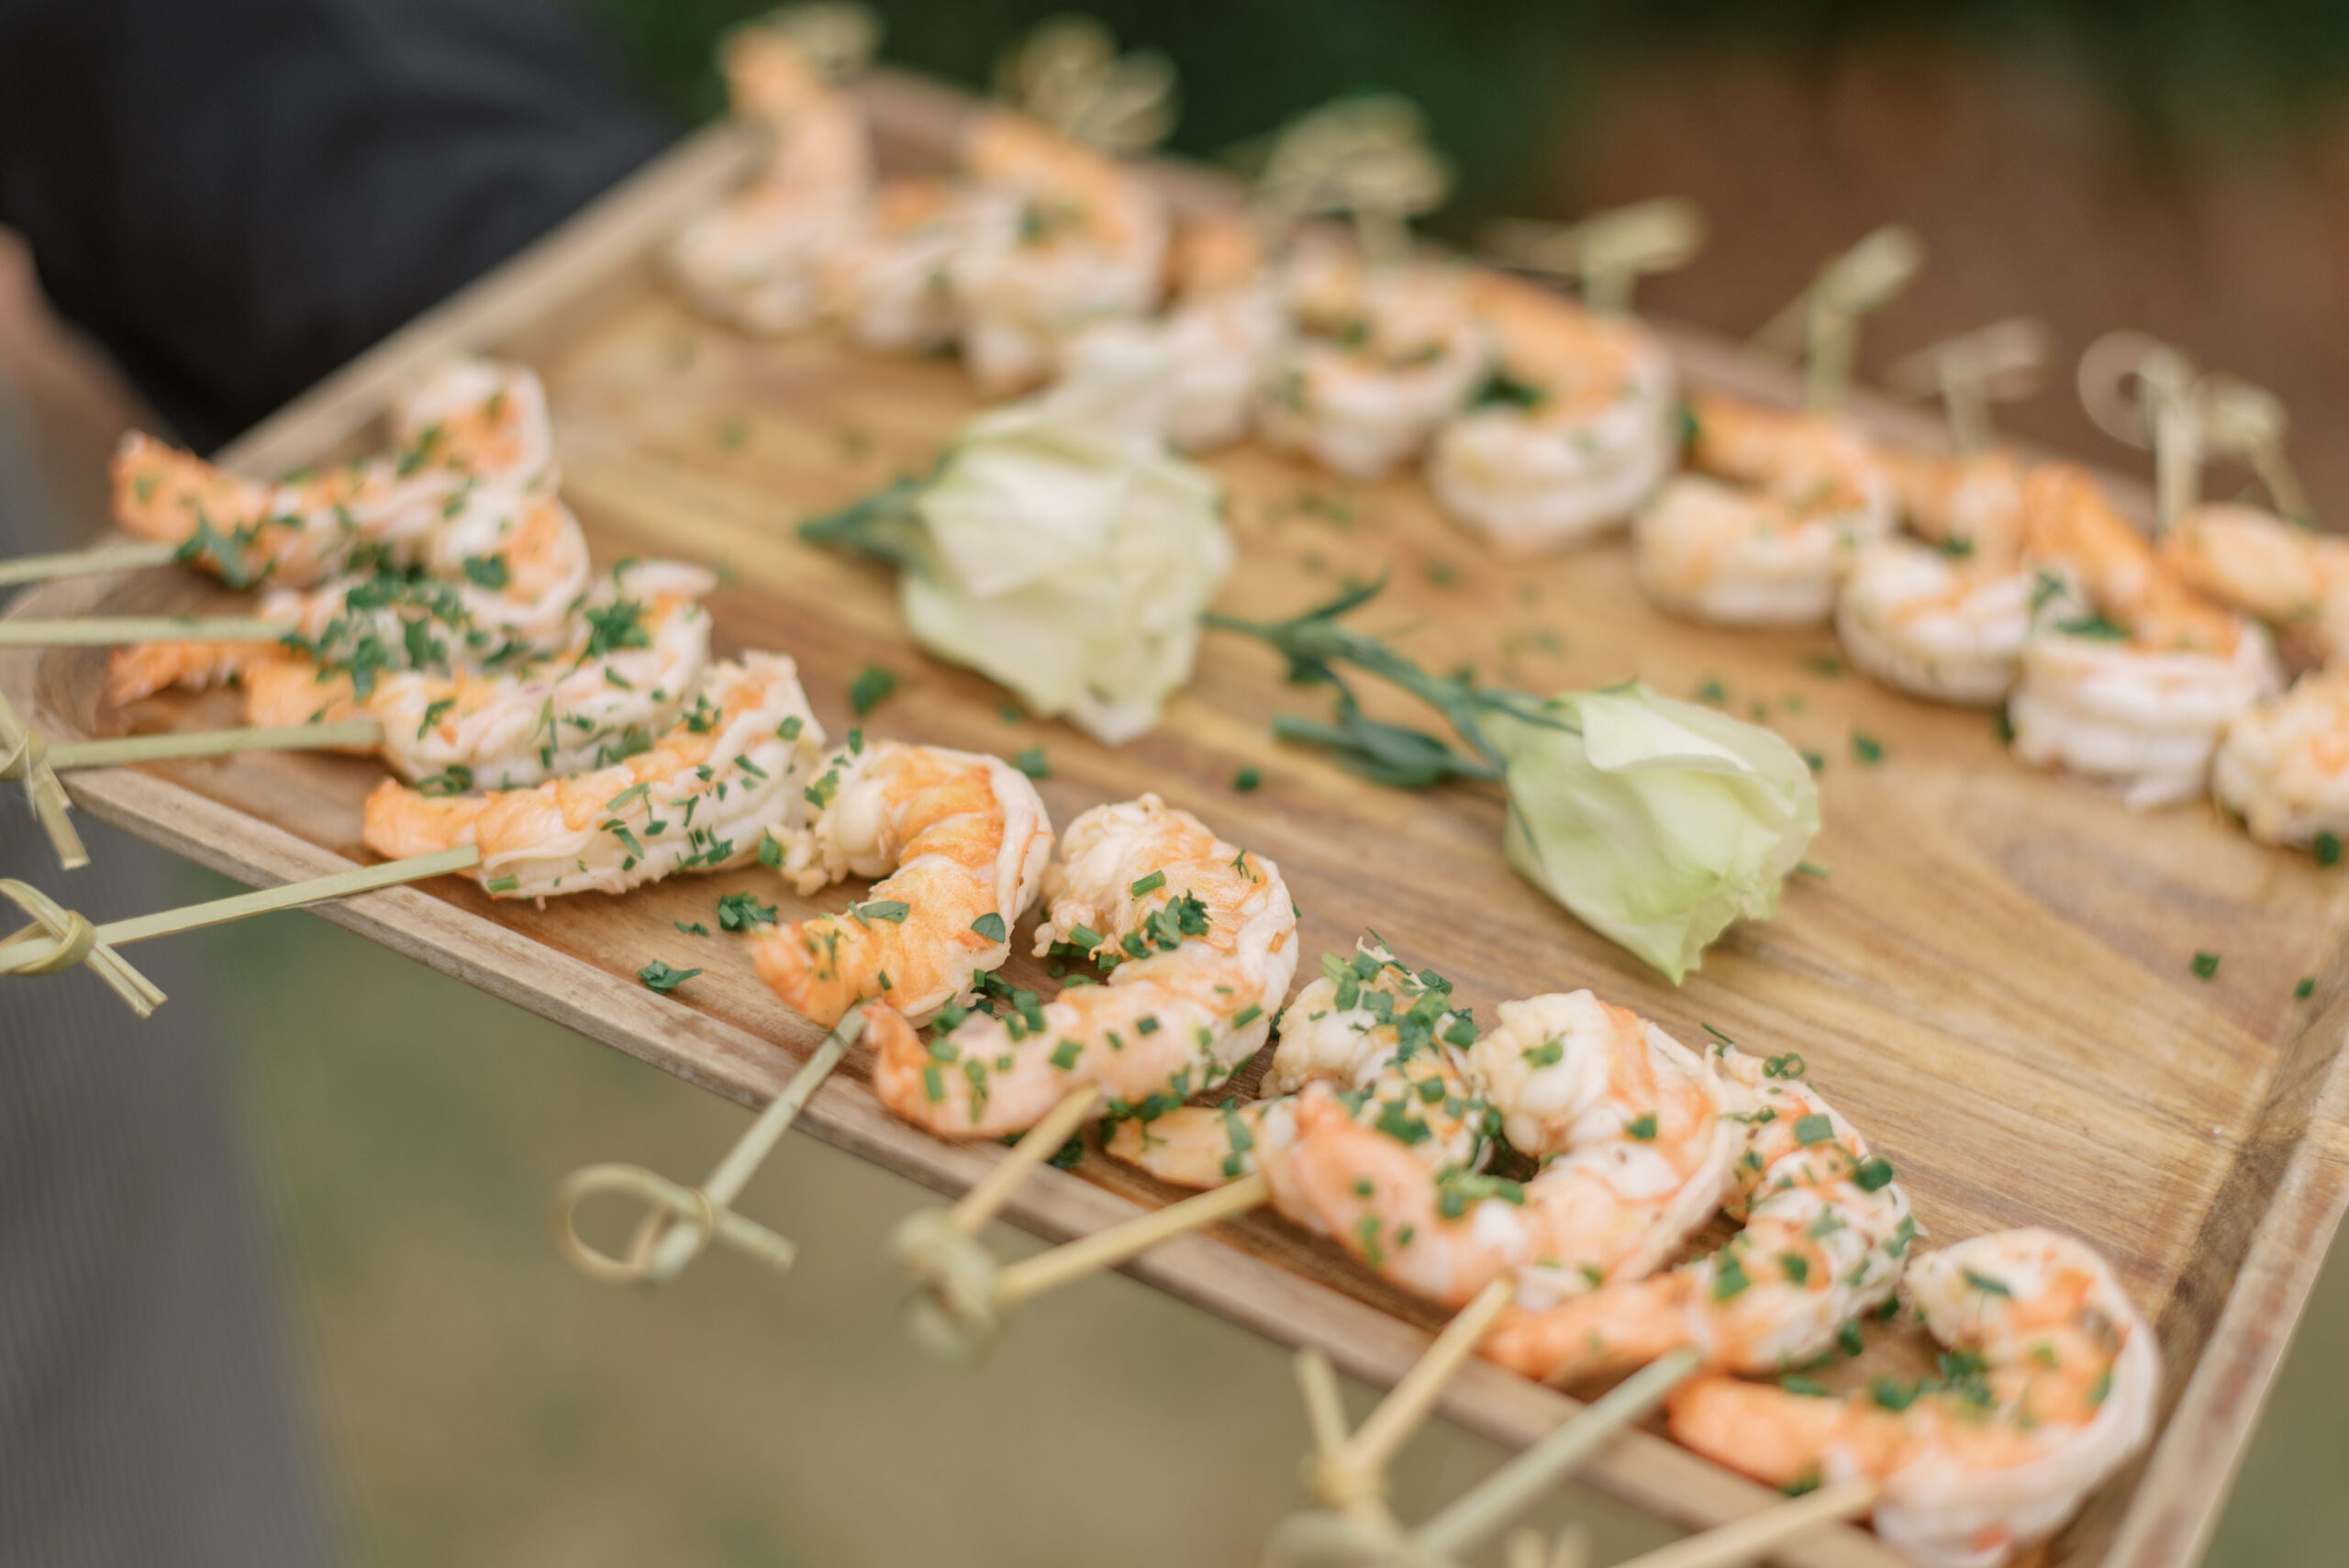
{"x": 235, "y": 196}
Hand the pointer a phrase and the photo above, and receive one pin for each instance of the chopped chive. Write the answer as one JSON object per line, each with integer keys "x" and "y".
{"x": 1246, "y": 1015}
{"x": 503, "y": 884}
{"x": 2206, "y": 964}
{"x": 1031, "y": 762}
{"x": 1148, "y": 884}
{"x": 1247, "y": 779}
{"x": 658, "y": 976}
{"x": 2300, "y": 993}
{"x": 1642, "y": 1128}
{"x": 2326, "y": 847}
{"x": 893, "y": 910}
{"x": 1866, "y": 748}
{"x": 1986, "y": 1284}
{"x": 1816, "y": 1127}
{"x": 694, "y": 929}
{"x": 871, "y": 684}
{"x": 1147, "y": 1024}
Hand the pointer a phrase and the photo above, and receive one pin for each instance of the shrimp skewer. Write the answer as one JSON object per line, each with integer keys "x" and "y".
{"x": 2292, "y": 578}
{"x": 1204, "y": 934}
{"x": 2130, "y": 676}
{"x": 1383, "y": 356}
{"x": 1932, "y": 626}
{"x": 958, "y": 842}
{"x": 1826, "y": 1231}
{"x": 1589, "y": 426}
{"x": 1763, "y": 534}
{"x": 729, "y": 775}
{"x": 890, "y": 282}
{"x": 2049, "y": 1387}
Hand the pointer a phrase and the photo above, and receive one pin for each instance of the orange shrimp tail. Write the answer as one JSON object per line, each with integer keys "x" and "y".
{"x": 398, "y": 821}
{"x": 802, "y": 964}
{"x": 139, "y": 672}
{"x": 159, "y": 491}
{"x": 899, "y": 1057}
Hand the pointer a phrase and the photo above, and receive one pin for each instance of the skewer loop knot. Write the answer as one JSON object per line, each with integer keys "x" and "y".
{"x": 22, "y": 757}
{"x": 76, "y": 942}
{"x": 952, "y": 1310}
{"x": 648, "y": 1261}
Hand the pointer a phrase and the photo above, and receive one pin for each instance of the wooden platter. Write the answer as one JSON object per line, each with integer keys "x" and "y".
{"x": 1996, "y": 980}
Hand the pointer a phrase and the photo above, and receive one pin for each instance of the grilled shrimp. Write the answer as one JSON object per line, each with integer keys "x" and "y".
{"x": 1382, "y": 356}
{"x": 731, "y": 774}
{"x": 1386, "y": 1041}
{"x": 1223, "y": 335}
{"x": 2248, "y": 559}
{"x": 1627, "y": 1122}
{"x": 1585, "y": 423}
{"x": 1767, "y": 537}
{"x": 2283, "y": 766}
{"x": 958, "y": 843}
{"x": 758, "y": 259}
{"x": 2048, "y": 1387}
{"x": 641, "y": 649}
{"x": 1932, "y": 626}
{"x": 472, "y": 424}
{"x": 1059, "y": 237}
{"x": 1205, "y": 939}
{"x": 889, "y": 282}
{"x": 1968, "y": 503}
{"x": 1826, "y": 1231}
{"x": 2130, "y": 676}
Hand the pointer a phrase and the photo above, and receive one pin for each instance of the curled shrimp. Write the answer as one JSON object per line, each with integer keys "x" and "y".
{"x": 2130, "y": 676}
{"x": 1582, "y": 423}
{"x": 1059, "y": 237}
{"x": 1826, "y": 1231}
{"x": 1968, "y": 503}
{"x": 889, "y": 282}
{"x": 1628, "y": 1125}
{"x": 1386, "y": 1041}
{"x": 958, "y": 843}
{"x": 728, "y": 776}
{"x": 758, "y": 258}
{"x": 2048, "y": 1387}
{"x": 1223, "y": 337}
{"x": 1382, "y": 355}
{"x": 1205, "y": 939}
{"x": 2283, "y": 766}
{"x": 1763, "y": 535}
{"x": 2248, "y": 559}
{"x": 1932, "y": 626}
{"x": 642, "y": 648}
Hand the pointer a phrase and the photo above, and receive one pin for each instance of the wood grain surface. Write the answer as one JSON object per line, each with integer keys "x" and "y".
{"x": 1995, "y": 980}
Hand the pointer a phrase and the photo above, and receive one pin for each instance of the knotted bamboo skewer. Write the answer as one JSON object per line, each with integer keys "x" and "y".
{"x": 1366, "y": 157}
{"x": 2141, "y": 390}
{"x": 86, "y": 563}
{"x": 24, "y": 754}
{"x": 1822, "y": 323}
{"x": 57, "y": 939}
{"x": 116, "y": 631}
{"x": 1360, "y": 1522}
{"x": 1068, "y": 73}
{"x": 1997, "y": 363}
{"x": 2241, "y": 420}
{"x": 683, "y": 1221}
{"x": 1748, "y": 1538}
{"x": 1607, "y": 252}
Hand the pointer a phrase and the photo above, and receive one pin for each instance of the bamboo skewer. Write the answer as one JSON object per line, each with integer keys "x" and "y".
{"x": 1823, "y": 321}
{"x": 1748, "y": 1537}
{"x": 1050, "y": 1270}
{"x": 2141, "y": 390}
{"x": 86, "y": 563}
{"x": 683, "y": 1221}
{"x": 25, "y": 755}
{"x": 57, "y": 939}
{"x": 116, "y": 631}
{"x": 1356, "y": 1471}
{"x": 1607, "y": 252}
{"x": 1973, "y": 370}
{"x": 955, "y": 1279}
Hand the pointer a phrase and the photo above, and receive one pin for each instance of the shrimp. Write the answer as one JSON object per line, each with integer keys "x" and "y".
{"x": 758, "y": 259}
{"x": 1579, "y": 423}
{"x": 1382, "y": 356}
{"x": 469, "y": 424}
{"x": 643, "y": 647}
{"x": 1968, "y": 503}
{"x": 730, "y": 776}
{"x": 1627, "y": 1122}
{"x": 2130, "y": 676}
{"x": 2283, "y": 766}
{"x": 2048, "y": 1387}
{"x": 1932, "y": 626}
{"x": 959, "y": 842}
{"x": 1204, "y": 936}
{"x": 1770, "y": 547}
{"x": 1223, "y": 337}
{"x": 1826, "y": 1231}
{"x": 2248, "y": 559}
{"x": 1387, "y": 1040}
{"x": 1059, "y": 237}
{"x": 890, "y": 281}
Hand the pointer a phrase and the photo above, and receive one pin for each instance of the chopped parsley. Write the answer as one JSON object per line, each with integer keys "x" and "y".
{"x": 1031, "y": 762}
{"x": 1248, "y": 779}
{"x": 658, "y": 976}
{"x": 740, "y": 911}
{"x": 1866, "y": 748}
{"x": 2206, "y": 965}
{"x": 872, "y": 686}
{"x": 990, "y": 926}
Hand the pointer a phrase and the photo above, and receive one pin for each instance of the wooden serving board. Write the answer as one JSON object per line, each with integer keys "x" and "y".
{"x": 1995, "y": 981}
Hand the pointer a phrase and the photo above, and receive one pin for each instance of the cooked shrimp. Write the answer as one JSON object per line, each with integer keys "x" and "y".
{"x": 1585, "y": 424}
{"x": 889, "y": 282}
{"x": 1627, "y": 1122}
{"x": 1205, "y": 938}
{"x": 1223, "y": 335}
{"x": 1387, "y": 1040}
{"x": 1060, "y": 237}
{"x": 758, "y": 258}
{"x": 2130, "y": 676}
{"x": 1768, "y": 537}
{"x": 1382, "y": 356}
{"x": 471, "y": 423}
{"x": 1826, "y": 1232}
{"x": 1968, "y": 503}
{"x": 2252, "y": 561}
{"x": 643, "y": 647}
{"x": 2283, "y": 766}
{"x": 731, "y": 774}
{"x": 1932, "y": 626}
{"x": 2049, "y": 1386}
{"x": 959, "y": 842}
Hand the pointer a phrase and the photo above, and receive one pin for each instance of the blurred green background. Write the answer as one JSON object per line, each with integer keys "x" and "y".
{"x": 2180, "y": 167}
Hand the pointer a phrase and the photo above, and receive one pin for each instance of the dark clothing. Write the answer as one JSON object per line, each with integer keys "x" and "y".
{"x": 235, "y": 196}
